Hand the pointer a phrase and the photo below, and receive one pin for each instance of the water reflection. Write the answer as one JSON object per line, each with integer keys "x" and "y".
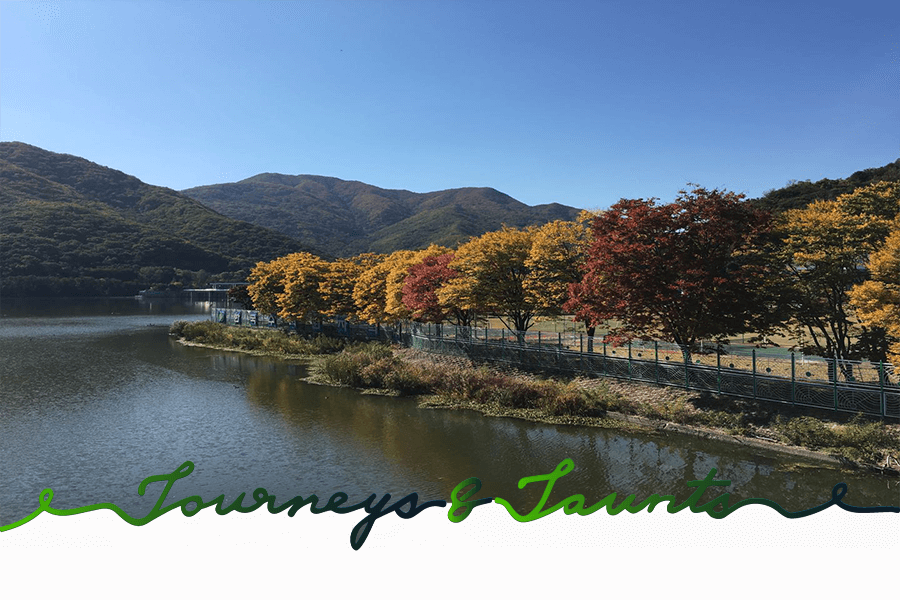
{"x": 92, "y": 403}
{"x": 441, "y": 448}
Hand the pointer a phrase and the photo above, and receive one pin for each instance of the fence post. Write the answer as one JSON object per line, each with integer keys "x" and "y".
{"x": 558, "y": 350}
{"x": 834, "y": 370}
{"x": 718, "y": 370}
{"x": 604, "y": 355}
{"x": 754, "y": 373}
{"x": 656, "y": 360}
{"x": 881, "y": 389}
{"x": 686, "y": 361}
{"x": 581, "y": 351}
{"x": 629, "y": 360}
{"x": 539, "y": 340}
{"x": 793, "y": 379}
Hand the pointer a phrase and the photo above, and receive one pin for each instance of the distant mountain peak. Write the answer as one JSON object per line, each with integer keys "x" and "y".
{"x": 348, "y": 217}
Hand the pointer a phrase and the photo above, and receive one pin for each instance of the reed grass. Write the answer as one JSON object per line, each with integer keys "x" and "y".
{"x": 363, "y": 367}
{"x": 272, "y": 341}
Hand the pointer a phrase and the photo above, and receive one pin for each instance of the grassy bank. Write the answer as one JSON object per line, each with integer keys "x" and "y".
{"x": 262, "y": 341}
{"x": 456, "y": 383}
{"x": 380, "y": 367}
{"x": 857, "y": 439}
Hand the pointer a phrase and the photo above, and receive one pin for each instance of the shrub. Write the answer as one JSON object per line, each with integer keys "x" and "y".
{"x": 410, "y": 379}
{"x": 514, "y": 394}
{"x": 267, "y": 340}
{"x": 177, "y": 328}
{"x": 341, "y": 369}
{"x": 374, "y": 371}
{"x": 806, "y": 431}
{"x": 568, "y": 400}
{"x": 866, "y": 441}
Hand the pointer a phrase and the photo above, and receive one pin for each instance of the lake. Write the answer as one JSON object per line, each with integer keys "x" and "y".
{"x": 95, "y": 396}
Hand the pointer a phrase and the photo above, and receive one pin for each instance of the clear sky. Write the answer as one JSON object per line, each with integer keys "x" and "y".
{"x": 580, "y": 103}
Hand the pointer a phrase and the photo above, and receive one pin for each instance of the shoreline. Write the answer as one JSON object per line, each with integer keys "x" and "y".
{"x": 611, "y": 419}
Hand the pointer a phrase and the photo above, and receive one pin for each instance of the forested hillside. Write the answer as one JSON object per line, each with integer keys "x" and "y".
{"x": 342, "y": 218}
{"x": 799, "y": 194}
{"x": 71, "y": 227}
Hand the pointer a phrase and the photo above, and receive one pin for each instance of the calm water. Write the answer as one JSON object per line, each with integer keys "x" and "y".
{"x": 94, "y": 397}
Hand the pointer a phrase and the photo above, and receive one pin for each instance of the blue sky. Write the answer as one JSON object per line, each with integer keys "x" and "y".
{"x": 580, "y": 103}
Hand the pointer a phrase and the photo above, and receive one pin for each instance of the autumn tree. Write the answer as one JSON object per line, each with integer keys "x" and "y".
{"x": 492, "y": 273}
{"x": 301, "y": 299}
{"x": 240, "y": 295}
{"x": 879, "y": 200}
{"x": 338, "y": 281}
{"x": 826, "y": 246}
{"x": 556, "y": 262}
{"x": 394, "y": 307}
{"x": 877, "y": 301}
{"x": 684, "y": 271}
{"x": 420, "y": 292}
{"x": 370, "y": 291}
{"x": 267, "y": 284}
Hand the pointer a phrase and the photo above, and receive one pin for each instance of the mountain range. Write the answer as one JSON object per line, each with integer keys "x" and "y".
{"x": 344, "y": 218}
{"x": 69, "y": 226}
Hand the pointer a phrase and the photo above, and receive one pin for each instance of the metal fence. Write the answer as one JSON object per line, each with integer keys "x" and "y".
{"x": 252, "y": 318}
{"x": 847, "y": 386}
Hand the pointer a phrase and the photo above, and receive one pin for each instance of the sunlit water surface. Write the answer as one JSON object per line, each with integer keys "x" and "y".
{"x": 95, "y": 397}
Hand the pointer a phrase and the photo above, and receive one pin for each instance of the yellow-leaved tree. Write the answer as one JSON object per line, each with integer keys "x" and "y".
{"x": 370, "y": 290}
{"x": 337, "y": 283}
{"x": 826, "y": 248}
{"x": 267, "y": 284}
{"x": 556, "y": 261}
{"x": 301, "y": 299}
{"x": 877, "y": 301}
{"x": 492, "y": 271}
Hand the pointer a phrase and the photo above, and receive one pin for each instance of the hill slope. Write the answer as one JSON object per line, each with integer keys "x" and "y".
{"x": 343, "y": 218}
{"x": 801, "y": 193}
{"x": 70, "y": 226}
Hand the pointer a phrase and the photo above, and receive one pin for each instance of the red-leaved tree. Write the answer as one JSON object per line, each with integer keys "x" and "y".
{"x": 684, "y": 271}
{"x": 420, "y": 292}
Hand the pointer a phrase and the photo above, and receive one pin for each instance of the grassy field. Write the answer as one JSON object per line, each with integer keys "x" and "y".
{"x": 771, "y": 360}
